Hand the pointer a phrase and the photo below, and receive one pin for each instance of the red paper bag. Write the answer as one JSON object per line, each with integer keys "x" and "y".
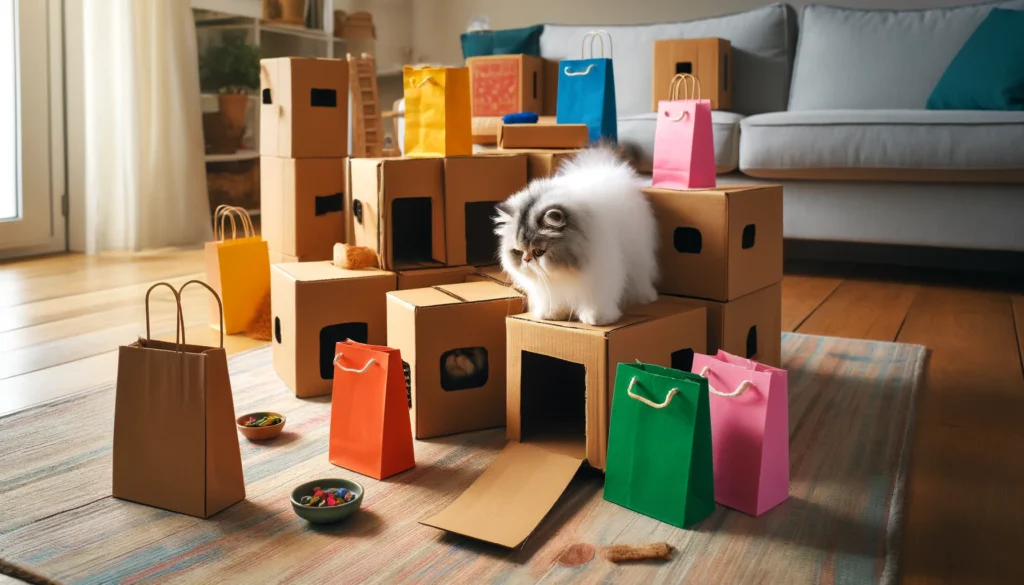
{"x": 684, "y": 149}
{"x": 370, "y": 429}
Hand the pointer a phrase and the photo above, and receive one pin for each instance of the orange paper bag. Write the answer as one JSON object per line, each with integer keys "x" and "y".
{"x": 370, "y": 429}
{"x": 238, "y": 268}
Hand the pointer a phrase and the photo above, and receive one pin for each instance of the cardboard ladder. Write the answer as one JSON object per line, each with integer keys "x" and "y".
{"x": 367, "y": 129}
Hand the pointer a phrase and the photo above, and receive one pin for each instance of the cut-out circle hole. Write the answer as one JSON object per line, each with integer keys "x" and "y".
{"x": 752, "y": 343}
{"x": 265, "y": 96}
{"x": 464, "y": 368}
{"x": 277, "y": 329}
{"x": 687, "y": 240}
{"x": 749, "y": 234}
{"x": 357, "y": 210}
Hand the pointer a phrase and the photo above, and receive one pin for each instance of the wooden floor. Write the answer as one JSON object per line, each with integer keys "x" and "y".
{"x": 62, "y": 319}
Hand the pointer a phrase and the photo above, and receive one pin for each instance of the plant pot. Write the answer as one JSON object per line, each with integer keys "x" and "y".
{"x": 293, "y": 11}
{"x": 233, "y": 108}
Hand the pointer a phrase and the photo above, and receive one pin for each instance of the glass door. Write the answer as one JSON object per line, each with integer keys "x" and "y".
{"x": 32, "y": 218}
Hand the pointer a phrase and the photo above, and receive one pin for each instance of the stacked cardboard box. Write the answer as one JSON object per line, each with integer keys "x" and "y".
{"x": 303, "y": 150}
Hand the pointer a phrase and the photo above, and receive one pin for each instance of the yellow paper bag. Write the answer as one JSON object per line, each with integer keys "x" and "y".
{"x": 438, "y": 121}
{"x": 238, "y": 269}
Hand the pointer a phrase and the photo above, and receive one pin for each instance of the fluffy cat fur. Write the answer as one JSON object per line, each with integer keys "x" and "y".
{"x": 583, "y": 243}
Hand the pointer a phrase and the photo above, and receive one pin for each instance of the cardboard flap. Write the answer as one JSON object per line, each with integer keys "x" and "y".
{"x": 326, "y": 270}
{"x": 472, "y": 292}
{"x": 424, "y": 297}
{"x": 509, "y": 500}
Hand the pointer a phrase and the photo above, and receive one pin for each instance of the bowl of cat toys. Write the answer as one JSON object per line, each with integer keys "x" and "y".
{"x": 324, "y": 501}
{"x": 260, "y": 426}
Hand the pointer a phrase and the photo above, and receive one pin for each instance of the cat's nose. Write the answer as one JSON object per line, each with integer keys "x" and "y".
{"x": 526, "y": 258}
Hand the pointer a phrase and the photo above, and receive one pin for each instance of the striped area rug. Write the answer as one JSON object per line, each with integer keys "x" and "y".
{"x": 851, "y": 412}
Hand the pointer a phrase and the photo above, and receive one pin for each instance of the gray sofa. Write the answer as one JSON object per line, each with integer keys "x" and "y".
{"x": 833, "y": 109}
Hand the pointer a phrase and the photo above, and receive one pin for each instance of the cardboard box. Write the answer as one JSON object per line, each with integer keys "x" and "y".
{"x": 457, "y": 374}
{"x": 473, "y": 185}
{"x": 485, "y": 130}
{"x": 428, "y": 277}
{"x": 396, "y": 207}
{"x": 550, "y": 106}
{"x": 561, "y": 376}
{"x": 543, "y": 136}
{"x": 506, "y": 84}
{"x": 490, "y": 274}
{"x": 279, "y": 258}
{"x": 750, "y": 326}
{"x": 315, "y": 305}
{"x": 304, "y": 107}
{"x": 302, "y": 205}
{"x": 540, "y": 163}
{"x": 718, "y": 244}
{"x": 709, "y": 60}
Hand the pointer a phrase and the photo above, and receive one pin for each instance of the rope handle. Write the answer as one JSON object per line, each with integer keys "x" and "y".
{"x": 353, "y": 370}
{"x": 597, "y": 35}
{"x": 652, "y": 404}
{"x": 587, "y": 71}
{"x": 179, "y": 324}
{"x": 739, "y": 389}
{"x": 230, "y": 212}
{"x": 688, "y": 83}
{"x": 220, "y": 306}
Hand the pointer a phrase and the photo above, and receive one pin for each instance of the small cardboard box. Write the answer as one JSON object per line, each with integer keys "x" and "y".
{"x": 543, "y": 136}
{"x": 396, "y": 208}
{"x": 540, "y": 162}
{"x": 457, "y": 374}
{"x": 485, "y": 130}
{"x": 473, "y": 185}
{"x": 709, "y": 60}
{"x": 490, "y": 274}
{"x": 428, "y": 277}
{"x": 550, "y": 106}
{"x": 718, "y": 244}
{"x": 302, "y": 205}
{"x": 750, "y": 326}
{"x": 304, "y": 107}
{"x": 315, "y": 305}
{"x": 561, "y": 376}
{"x": 506, "y": 84}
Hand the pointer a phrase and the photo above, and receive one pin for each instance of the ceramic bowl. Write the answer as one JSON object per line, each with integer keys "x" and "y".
{"x": 259, "y": 433}
{"x": 327, "y": 515}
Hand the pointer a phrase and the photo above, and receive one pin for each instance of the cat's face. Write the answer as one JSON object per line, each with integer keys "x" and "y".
{"x": 539, "y": 237}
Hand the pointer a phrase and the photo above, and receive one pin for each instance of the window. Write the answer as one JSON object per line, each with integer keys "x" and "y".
{"x": 9, "y": 166}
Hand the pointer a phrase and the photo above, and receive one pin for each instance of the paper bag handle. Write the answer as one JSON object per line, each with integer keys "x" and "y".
{"x": 597, "y": 35}
{"x": 362, "y": 370}
{"x": 230, "y": 212}
{"x": 179, "y": 323}
{"x": 220, "y": 306}
{"x": 424, "y": 81}
{"x": 739, "y": 389}
{"x": 688, "y": 83}
{"x": 652, "y": 404}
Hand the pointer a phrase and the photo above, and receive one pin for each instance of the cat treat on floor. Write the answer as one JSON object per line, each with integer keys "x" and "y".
{"x": 626, "y": 553}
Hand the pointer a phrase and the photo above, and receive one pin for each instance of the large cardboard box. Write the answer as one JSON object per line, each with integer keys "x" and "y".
{"x": 428, "y": 277}
{"x": 560, "y": 381}
{"x": 302, "y": 205}
{"x": 396, "y": 208}
{"x": 506, "y": 84}
{"x": 540, "y": 162}
{"x": 709, "y": 60}
{"x": 718, "y": 244}
{"x": 750, "y": 326}
{"x": 543, "y": 136}
{"x": 304, "y": 107}
{"x": 473, "y": 185}
{"x": 315, "y": 305}
{"x": 457, "y": 374}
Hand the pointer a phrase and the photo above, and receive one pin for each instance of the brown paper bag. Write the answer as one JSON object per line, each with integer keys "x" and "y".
{"x": 175, "y": 443}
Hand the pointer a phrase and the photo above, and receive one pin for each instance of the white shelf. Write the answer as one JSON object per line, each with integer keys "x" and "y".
{"x": 237, "y": 156}
{"x": 294, "y": 30}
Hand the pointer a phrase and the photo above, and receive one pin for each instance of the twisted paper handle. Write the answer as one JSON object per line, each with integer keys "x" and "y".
{"x": 739, "y": 389}
{"x": 652, "y": 404}
{"x": 353, "y": 370}
{"x": 597, "y": 35}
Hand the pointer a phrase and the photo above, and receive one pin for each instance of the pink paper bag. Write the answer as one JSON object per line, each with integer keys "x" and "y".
{"x": 749, "y": 431}
{"x": 684, "y": 150}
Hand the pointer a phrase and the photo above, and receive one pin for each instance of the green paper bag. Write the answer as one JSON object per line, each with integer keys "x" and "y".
{"x": 659, "y": 445}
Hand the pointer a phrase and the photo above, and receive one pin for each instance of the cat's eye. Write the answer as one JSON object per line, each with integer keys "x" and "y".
{"x": 538, "y": 253}
{"x": 516, "y": 253}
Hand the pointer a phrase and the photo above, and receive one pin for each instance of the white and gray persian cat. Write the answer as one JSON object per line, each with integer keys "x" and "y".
{"x": 583, "y": 243}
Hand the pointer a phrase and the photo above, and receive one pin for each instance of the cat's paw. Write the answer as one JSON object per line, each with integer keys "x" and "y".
{"x": 648, "y": 295}
{"x": 593, "y": 317}
{"x": 559, "y": 314}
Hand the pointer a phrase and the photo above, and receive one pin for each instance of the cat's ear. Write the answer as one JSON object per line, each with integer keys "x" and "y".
{"x": 504, "y": 213}
{"x": 554, "y": 218}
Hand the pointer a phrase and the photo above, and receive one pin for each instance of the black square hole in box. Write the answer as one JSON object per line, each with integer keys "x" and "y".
{"x": 682, "y": 360}
{"x": 687, "y": 240}
{"x": 749, "y": 233}
{"x": 463, "y": 368}
{"x": 752, "y": 343}
{"x": 277, "y": 329}
{"x": 323, "y": 98}
{"x": 266, "y": 96}
{"x": 324, "y": 204}
{"x": 552, "y": 398}
{"x": 684, "y": 67}
{"x": 412, "y": 230}
{"x": 481, "y": 241}
{"x": 330, "y": 336}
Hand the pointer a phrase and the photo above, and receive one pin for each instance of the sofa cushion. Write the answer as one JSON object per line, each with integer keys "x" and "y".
{"x": 763, "y": 42}
{"x": 885, "y": 145}
{"x": 725, "y": 127}
{"x": 877, "y": 59}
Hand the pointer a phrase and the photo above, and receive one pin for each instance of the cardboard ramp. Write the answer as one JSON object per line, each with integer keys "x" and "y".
{"x": 507, "y": 502}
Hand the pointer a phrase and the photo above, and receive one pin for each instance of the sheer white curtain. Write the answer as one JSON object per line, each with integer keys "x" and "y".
{"x": 144, "y": 171}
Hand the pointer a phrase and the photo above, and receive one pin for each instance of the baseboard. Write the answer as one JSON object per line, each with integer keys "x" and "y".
{"x": 951, "y": 259}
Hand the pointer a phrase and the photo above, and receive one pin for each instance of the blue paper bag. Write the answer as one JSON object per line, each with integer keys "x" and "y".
{"x": 586, "y": 91}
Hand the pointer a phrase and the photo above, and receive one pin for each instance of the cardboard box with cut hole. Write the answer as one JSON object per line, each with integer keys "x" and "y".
{"x": 473, "y": 185}
{"x": 750, "y": 326}
{"x": 718, "y": 244}
{"x": 561, "y": 376}
{"x": 428, "y": 277}
{"x": 457, "y": 374}
{"x": 304, "y": 107}
{"x": 540, "y": 163}
{"x": 543, "y": 136}
{"x": 506, "y": 84}
{"x": 709, "y": 60}
{"x": 302, "y": 205}
{"x": 314, "y": 306}
{"x": 396, "y": 208}
{"x": 550, "y": 106}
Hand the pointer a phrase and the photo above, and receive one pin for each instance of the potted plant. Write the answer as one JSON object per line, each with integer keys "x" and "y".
{"x": 232, "y": 71}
